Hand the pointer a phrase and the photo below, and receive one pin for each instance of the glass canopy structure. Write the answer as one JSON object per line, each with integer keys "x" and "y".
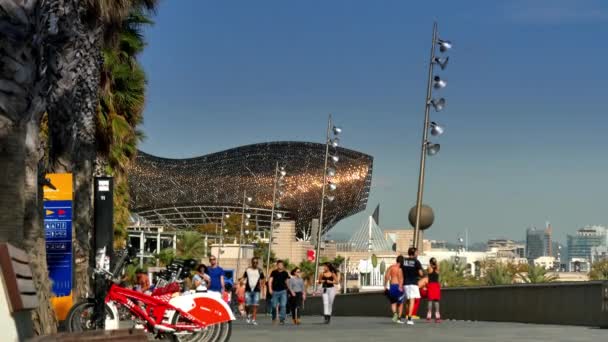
{"x": 184, "y": 193}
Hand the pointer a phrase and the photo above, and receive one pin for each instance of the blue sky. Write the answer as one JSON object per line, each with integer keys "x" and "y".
{"x": 526, "y": 94}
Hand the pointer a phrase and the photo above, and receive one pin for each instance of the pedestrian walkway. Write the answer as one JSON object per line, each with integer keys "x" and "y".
{"x": 350, "y": 329}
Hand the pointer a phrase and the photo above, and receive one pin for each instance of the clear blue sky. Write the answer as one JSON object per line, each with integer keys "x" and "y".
{"x": 526, "y": 116}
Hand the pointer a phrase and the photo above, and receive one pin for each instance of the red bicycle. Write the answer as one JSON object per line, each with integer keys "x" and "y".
{"x": 191, "y": 316}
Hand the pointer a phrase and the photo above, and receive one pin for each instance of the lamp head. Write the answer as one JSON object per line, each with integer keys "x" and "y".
{"x": 438, "y": 104}
{"x": 432, "y": 149}
{"x": 438, "y": 83}
{"x": 436, "y": 129}
{"x": 444, "y": 45}
{"x": 442, "y": 62}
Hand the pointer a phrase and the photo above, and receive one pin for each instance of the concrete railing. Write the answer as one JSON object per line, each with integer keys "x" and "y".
{"x": 579, "y": 303}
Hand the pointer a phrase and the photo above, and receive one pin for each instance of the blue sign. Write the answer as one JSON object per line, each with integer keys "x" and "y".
{"x": 58, "y": 232}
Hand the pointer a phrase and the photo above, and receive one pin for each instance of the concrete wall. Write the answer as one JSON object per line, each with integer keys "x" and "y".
{"x": 581, "y": 303}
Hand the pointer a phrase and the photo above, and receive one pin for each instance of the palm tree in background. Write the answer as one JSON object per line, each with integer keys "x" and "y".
{"x": 537, "y": 275}
{"x": 191, "y": 245}
{"x": 120, "y": 112}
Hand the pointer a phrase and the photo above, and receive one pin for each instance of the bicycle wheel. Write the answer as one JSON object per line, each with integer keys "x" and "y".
{"x": 80, "y": 317}
{"x": 225, "y": 332}
{"x": 204, "y": 335}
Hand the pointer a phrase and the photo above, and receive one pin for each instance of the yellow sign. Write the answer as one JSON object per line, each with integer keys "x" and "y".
{"x": 58, "y": 187}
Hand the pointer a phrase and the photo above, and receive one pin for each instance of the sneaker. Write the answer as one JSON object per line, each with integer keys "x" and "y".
{"x": 254, "y": 322}
{"x": 282, "y": 322}
{"x": 410, "y": 322}
{"x": 248, "y": 319}
{"x": 415, "y": 317}
{"x": 401, "y": 321}
{"x": 395, "y": 318}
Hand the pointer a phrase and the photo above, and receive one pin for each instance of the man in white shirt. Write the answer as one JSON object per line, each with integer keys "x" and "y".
{"x": 254, "y": 285}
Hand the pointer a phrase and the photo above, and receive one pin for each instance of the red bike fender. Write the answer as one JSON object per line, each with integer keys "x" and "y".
{"x": 208, "y": 307}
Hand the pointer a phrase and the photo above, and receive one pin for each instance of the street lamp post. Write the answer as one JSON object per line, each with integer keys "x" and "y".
{"x": 222, "y": 228}
{"x": 331, "y": 172}
{"x": 246, "y": 200}
{"x": 435, "y": 129}
{"x": 279, "y": 174}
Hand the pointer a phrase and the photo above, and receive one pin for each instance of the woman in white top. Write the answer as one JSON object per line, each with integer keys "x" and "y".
{"x": 201, "y": 278}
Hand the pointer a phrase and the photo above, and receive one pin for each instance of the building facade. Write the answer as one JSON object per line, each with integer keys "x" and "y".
{"x": 583, "y": 247}
{"x": 538, "y": 243}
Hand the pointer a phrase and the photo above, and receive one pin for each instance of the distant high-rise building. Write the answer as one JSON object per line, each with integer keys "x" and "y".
{"x": 506, "y": 248}
{"x": 586, "y": 243}
{"x": 538, "y": 242}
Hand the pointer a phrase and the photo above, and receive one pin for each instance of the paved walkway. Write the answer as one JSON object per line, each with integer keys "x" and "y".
{"x": 351, "y": 329}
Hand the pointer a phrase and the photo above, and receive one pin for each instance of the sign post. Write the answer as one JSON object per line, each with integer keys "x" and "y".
{"x": 58, "y": 196}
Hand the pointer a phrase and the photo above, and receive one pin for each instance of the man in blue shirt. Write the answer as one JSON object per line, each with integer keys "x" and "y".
{"x": 216, "y": 275}
{"x": 412, "y": 270}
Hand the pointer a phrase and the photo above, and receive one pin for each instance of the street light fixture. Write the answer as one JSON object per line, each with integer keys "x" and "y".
{"x": 244, "y": 222}
{"x": 436, "y": 129}
{"x": 277, "y": 192}
{"x": 427, "y": 147}
{"x": 332, "y": 140}
{"x": 438, "y": 104}
{"x": 438, "y": 83}
{"x": 442, "y": 62}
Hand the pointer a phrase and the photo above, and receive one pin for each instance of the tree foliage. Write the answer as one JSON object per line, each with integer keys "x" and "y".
{"x": 599, "y": 270}
{"x": 191, "y": 245}
{"x": 536, "y": 275}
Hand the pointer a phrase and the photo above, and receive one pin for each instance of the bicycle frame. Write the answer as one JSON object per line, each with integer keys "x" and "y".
{"x": 155, "y": 309}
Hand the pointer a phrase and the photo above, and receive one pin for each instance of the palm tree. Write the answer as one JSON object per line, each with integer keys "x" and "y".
{"x": 51, "y": 59}
{"x": 122, "y": 94}
{"x": 191, "y": 245}
{"x": 599, "y": 270}
{"x": 498, "y": 274}
{"x": 536, "y": 275}
{"x": 83, "y": 29}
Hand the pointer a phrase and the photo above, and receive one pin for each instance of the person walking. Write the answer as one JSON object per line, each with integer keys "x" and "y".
{"x": 240, "y": 297}
{"x": 412, "y": 270}
{"x": 328, "y": 278}
{"x": 277, "y": 287}
{"x": 394, "y": 276}
{"x": 254, "y": 286}
{"x": 434, "y": 291}
{"x": 298, "y": 295}
{"x": 201, "y": 279}
{"x": 216, "y": 276}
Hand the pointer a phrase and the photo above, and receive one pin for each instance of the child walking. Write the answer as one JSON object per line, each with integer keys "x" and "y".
{"x": 240, "y": 297}
{"x": 434, "y": 291}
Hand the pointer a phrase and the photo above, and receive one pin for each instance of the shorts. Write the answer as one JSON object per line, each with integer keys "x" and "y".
{"x": 412, "y": 291}
{"x": 395, "y": 295}
{"x": 252, "y": 298}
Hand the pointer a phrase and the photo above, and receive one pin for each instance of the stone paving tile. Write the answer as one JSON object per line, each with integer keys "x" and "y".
{"x": 375, "y": 329}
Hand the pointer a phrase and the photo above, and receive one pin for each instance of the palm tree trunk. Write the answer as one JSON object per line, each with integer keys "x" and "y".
{"x": 22, "y": 102}
{"x": 72, "y": 110}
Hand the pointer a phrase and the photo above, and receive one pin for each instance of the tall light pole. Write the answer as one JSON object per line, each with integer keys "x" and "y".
{"x": 279, "y": 174}
{"x": 332, "y": 131}
{"x": 222, "y": 228}
{"x": 435, "y": 129}
{"x": 246, "y": 200}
